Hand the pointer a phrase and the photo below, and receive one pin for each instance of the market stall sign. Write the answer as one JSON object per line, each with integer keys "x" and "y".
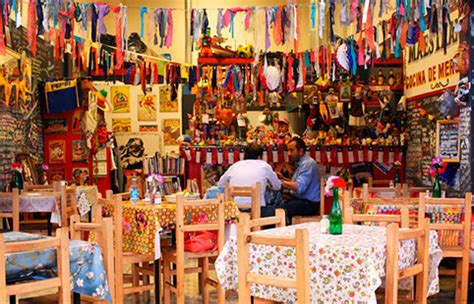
{"x": 433, "y": 70}
{"x": 448, "y": 140}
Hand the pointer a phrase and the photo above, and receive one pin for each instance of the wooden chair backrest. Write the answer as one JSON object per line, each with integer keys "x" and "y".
{"x": 300, "y": 242}
{"x": 104, "y": 233}
{"x": 182, "y": 227}
{"x": 407, "y": 190}
{"x": 452, "y": 229}
{"x": 68, "y": 203}
{"x": 350, "y": 217}
{"x": 14, "y": 214}
{"x": 62, "y": 281}
{"x": 279, "y": 220}
{"x": 419, "y": 270}
{"x": 378, "y": 182}
{"x": 366, "y": 190}
{"x": 254, "y": 192}
{"x": 36, "y": 188}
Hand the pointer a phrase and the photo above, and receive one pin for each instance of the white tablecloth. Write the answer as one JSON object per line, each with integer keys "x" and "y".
{"x": 34, "y": 202}
{"x": 347, "y": 267}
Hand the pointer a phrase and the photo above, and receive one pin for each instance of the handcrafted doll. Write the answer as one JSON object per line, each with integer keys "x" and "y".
{"x": 356, "y": 112}
{"x": 331, "y": 101}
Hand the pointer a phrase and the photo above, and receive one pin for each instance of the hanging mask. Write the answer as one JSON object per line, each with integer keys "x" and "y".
{"x": 462, "y": 92}
{"x": 447, "y": 104}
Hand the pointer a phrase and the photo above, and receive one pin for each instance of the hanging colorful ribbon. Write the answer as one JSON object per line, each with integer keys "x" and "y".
{"x": 313, "y": 15}
{"x": 332, "y": 7}
{"x": 278, "y": 27}
{"x": 143, "y": 11}
{"x": 322, "y": 8}
{"x": 103, "y": 11}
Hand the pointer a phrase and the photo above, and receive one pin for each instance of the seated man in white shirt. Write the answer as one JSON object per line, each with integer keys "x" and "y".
{"x": 248, "y": 172}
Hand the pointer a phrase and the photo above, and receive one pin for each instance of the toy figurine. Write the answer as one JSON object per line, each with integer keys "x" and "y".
{"x": 331, "y": 102}
{"x": 380, "y": 78}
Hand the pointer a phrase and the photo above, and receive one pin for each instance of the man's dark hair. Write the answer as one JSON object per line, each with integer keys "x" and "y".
{"x": 254, "y": 151}
{"x": 299, "y": 143}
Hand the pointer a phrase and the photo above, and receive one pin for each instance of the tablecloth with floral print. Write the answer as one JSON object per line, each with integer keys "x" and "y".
{"x": 142, "y": 222}
{"x": 88, "y": 275}
{"x": 344, "y": 268}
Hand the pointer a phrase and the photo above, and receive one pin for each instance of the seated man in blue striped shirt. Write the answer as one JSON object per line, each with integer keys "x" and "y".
{"x": 305, "y": 185}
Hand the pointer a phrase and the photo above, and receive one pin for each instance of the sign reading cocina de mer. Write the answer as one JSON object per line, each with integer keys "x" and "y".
{"x": 433, "y": 70}
{"x": 448, "y": 140}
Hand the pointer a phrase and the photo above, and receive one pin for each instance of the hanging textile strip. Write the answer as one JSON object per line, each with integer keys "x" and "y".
{"x": 169, "y": 33}
{"x": 278, "y": 27}
{"x": 204, "y": 22}
{"x": 322, "y": 8}
{"x": 313, "y": 15}
{"x": 94, "y": 20}
{"x": 3, "y": 47}
{"x": 32, "y": 26}
{"x": 103, "y": 11}
{"x": 332, "y": 7}
{"x": 39, "y": 13}
{"x": 84, "y": 11}
{"x": 118, "y": 35}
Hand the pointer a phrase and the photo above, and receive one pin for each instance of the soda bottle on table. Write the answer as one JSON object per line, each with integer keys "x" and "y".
{"x": 134, "y": 189}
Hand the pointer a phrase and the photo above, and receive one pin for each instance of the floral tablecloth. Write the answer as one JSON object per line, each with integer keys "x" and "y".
{"x": 345, "y": 268}
{"x": 142, "y": 223}
{"x": 88, "y": 275}
{"x": 35, "y": 202}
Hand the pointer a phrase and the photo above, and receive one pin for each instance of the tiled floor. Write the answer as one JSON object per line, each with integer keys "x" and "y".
{"x": 446, "y": 295}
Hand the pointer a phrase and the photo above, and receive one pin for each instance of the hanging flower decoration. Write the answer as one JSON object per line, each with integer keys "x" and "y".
{"x": 334, "y": 182}
{"x": 437, "y": 165}
{"x": 397, "y": 164}
{"x": 16, "y": 166}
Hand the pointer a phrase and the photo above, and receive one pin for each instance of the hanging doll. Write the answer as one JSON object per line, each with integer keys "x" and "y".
{"x": 356, "y": 111}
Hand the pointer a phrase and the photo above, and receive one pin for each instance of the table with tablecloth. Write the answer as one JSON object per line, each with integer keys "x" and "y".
{"x": 343, "y": 268}
{"x": 35, "y": 202}
{"x": 142, "y": 222}
{"x": 87, "y": 269}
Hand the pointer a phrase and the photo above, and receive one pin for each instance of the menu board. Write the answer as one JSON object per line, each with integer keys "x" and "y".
{"x": 447, "y": 140}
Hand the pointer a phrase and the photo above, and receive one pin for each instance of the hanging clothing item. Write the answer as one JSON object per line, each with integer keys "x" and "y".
{"x": 84, "y": 12}
{"x": 39, "y": 13}
{"x": 169, "y": 33}
{"x": 61, "y": 95}
{"x": 196, "y": 26}
{"x": 313, "y": 15}
{"x": 204, "y": 22}
{"x": 103, "y": 11}
{"x": 322, "y": 9}
{"x": 220, "y": 22}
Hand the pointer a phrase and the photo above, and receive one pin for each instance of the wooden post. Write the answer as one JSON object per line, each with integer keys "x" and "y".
{"x": 243, "y": 258}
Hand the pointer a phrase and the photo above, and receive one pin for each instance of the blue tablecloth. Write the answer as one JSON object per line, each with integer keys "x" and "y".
{"x": 88, "y": 275}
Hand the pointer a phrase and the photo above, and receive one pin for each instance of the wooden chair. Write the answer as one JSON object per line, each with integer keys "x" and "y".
{"x": 14, "y": 214}
{"x": 104, "y": 233}
{"x": 419, "y": 270}
{"x": 121, "y": 257}
{"x": 396, "y": 191}
{"x": 300, "y": 242}
{"x": 62, "y": 281}
{"x": 408, "y": 191}
{"x": 68, "y": 203}
{"x": 448, "y": 229}
{"x": 305, "y": 219}
{"x": 254, "y": 192}
{"x": 349, "y": 217}
{"x": 178, "y": 256}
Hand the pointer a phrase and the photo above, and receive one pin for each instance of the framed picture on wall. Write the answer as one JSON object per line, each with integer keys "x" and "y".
{"x": 80, "y": 153}
{"x": 171, "y": 131}
{"x": 55, "y": 125}
{"x": 80, "y": 173}
{"x": 56, "y": 174}
{"x": 57, "y": 151}
{"x": 29, "y": 172}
